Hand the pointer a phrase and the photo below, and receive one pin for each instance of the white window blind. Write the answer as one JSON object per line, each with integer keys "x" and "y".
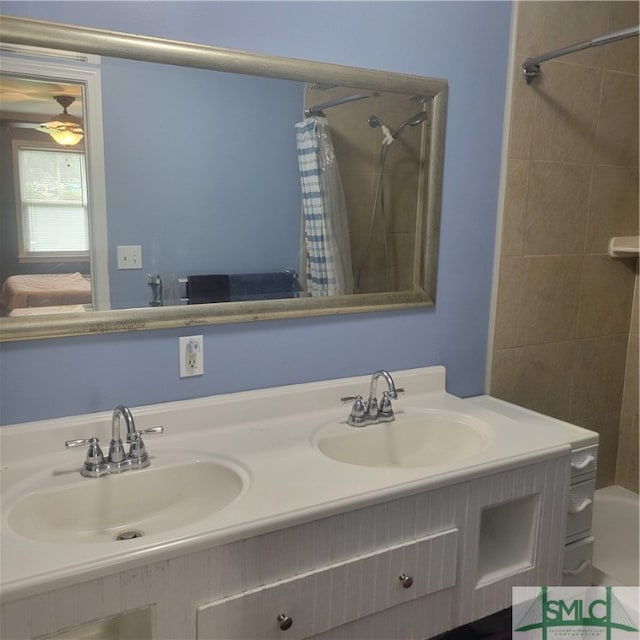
{"x": 53, "y": 195}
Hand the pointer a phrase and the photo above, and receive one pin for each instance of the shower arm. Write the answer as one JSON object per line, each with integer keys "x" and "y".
{"x": 531, "y": 66}
{"x": 318, "y": 109}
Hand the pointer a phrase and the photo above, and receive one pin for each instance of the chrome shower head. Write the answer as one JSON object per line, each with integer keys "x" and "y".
{"x": 374, "y": 122}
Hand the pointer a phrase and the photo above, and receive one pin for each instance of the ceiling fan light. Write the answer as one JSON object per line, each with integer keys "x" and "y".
{"x": 65, "y": 137}
{"x": 65, "y": 129}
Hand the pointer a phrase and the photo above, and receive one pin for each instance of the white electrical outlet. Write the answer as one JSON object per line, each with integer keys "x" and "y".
{"x": 191, "y": 352}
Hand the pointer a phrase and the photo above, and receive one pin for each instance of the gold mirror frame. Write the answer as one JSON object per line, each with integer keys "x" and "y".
{"x": 19, "y": 31}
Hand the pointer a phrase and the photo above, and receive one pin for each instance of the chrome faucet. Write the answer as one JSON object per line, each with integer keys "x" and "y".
{"x": 117, "y": 454}
{"x": 370, "y": 412}
{"x": 155, "y": 282}
{"x": 118, "y": 461}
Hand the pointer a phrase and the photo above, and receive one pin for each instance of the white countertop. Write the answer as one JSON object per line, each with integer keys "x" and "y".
{"x": 267, "y": 437}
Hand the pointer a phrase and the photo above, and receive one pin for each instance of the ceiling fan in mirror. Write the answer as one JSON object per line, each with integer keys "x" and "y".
{"x": 65, "y": 129}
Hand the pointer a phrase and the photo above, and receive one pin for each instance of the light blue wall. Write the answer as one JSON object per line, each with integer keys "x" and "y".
{"x": 180, "y": 181}
{"x": 466, "y": 42}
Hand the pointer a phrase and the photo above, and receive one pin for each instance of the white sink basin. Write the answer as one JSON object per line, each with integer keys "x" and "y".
{"x": 135, "y": 503}
{"x": 415, "y": 439}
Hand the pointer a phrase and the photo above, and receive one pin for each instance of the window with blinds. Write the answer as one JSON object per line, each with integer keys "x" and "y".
{"x": 52, "y": 203}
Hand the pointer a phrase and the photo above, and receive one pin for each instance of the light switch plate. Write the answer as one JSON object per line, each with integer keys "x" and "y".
{"x": 129, "y": 256}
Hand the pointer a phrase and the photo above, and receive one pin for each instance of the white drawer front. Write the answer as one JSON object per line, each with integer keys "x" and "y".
{"x": 576, "y": 568}
{"x": 326, "y": 598}
{"x": 584, "y": 461}
{"x": 580, "y": 509}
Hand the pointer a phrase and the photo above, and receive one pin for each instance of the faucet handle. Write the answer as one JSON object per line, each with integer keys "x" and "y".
{"x": 358, "y": 415}
{"x": 157, "y": 429}
{"x": 137, "y": 451}
{"x": 94, "y": 448}
{"x": 132, "y": 437}
{"x": 78, "y": 443}
{"x": 94, "y": 463}
{"x": 385, "y": 410}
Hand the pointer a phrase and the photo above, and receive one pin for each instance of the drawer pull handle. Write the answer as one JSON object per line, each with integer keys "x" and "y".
{"x": 584, "y": 463}
{"x": 285, "y": 621}
{"x": 586, "y": 502}
{"x": 405, "y": 580}
{"x": 574, "y": 572}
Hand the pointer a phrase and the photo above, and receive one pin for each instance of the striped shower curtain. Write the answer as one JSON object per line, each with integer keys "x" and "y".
{"x": 326, "y": 228}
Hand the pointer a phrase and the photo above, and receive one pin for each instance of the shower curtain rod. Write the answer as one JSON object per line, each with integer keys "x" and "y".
{"x": 531, "y": 66}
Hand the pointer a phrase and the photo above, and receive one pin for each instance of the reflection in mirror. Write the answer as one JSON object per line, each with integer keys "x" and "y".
{"x": 213, "y": 183}
{"x": 44, "y": 256}
{"x": 381, "y": 144}
{"x": 201, "y": 173}
{"x": 51, "y": 220}
{"x": 320, "y": 188}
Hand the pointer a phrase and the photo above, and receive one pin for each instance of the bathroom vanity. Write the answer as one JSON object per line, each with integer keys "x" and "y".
{"x": 264, "y": 514}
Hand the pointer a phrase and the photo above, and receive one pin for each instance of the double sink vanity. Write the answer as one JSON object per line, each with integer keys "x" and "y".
{"x": 264, "y": 514}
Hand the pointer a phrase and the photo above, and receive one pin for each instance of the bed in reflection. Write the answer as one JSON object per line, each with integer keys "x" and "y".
{"x": 42, "y": 293}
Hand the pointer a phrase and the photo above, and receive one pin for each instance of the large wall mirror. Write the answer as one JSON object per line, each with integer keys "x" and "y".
{"x": 207, "y": 185}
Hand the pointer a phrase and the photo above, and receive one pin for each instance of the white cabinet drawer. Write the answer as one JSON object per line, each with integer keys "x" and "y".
{"x": 325, "y": 598}
{"x": 580, "y": 509}
{"x": 584, "y": 461}
{"x": 576, "y": 568}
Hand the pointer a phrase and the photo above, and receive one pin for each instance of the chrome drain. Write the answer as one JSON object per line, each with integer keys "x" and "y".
{"x": 129, "y": 534}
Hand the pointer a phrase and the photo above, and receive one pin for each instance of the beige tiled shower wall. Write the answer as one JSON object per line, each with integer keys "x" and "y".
{"x": 564, "y": 342}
